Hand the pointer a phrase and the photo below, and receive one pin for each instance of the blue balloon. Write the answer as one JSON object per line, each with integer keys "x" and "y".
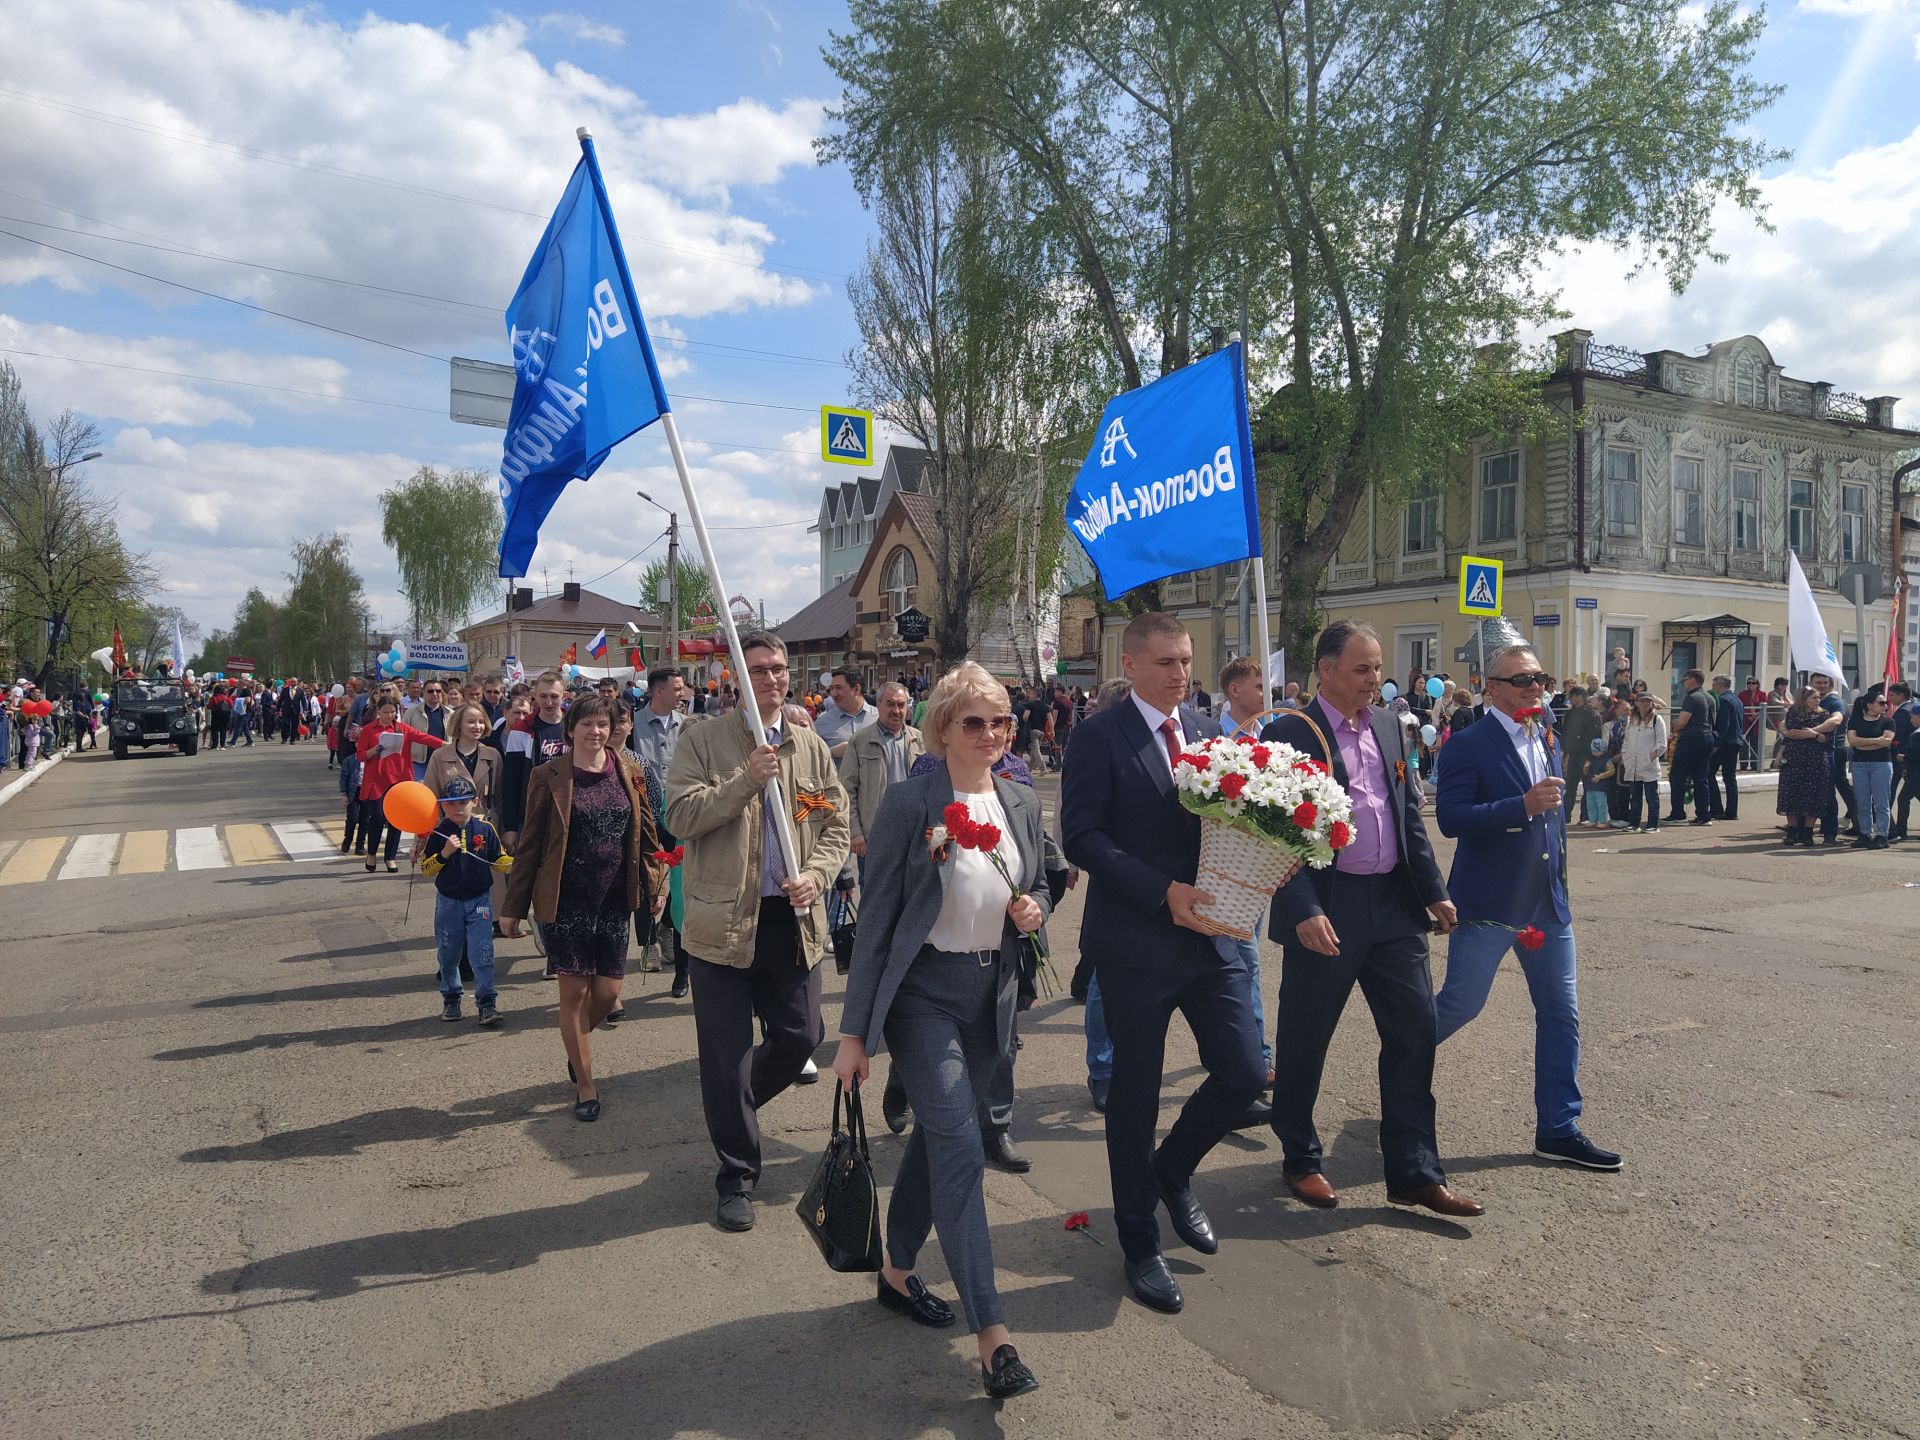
{"x": 1428, "y": 735}
{"x": 1389, "y": 692}
{"x": 1436, "y": 687}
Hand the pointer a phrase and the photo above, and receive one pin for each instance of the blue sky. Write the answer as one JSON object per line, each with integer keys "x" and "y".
{"x": 127, "y": 119}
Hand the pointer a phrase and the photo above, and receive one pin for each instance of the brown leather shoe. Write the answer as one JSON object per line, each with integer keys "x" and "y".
{"x": 1312, "y": 1190}
{"x": 1440, "y": 1200}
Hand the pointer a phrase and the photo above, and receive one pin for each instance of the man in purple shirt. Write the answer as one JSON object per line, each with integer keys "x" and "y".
{"x": 1364, "y": 920}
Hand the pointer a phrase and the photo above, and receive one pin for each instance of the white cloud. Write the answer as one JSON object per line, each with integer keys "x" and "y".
{"x": 581, "y": 28}
{"x": 1830, "y": 291}
{"x": 476, "y": 115}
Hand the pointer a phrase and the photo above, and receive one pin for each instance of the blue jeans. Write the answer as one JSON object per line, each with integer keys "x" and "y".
{"x": 1596, "y": 806}
{"x": 1249, "y": 951}
{"x": 1873, "y": 796}
{"x": 464, "y": 925}
{"x": 1099, "y": 1043}
{"x": 1474, "y": 953}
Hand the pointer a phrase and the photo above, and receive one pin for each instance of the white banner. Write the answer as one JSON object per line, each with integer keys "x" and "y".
{"x": 435, "y": 655}
{"x": 1812, "y": 650}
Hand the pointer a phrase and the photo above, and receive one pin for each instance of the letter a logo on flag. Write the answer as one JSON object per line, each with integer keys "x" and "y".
{"x": 584, "y": 372}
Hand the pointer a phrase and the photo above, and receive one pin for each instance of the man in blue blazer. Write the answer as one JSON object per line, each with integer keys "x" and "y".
{"x": 1121, "y": 822}
{"x": 1499, "y": 796}
{"x": 1363, "y": 920}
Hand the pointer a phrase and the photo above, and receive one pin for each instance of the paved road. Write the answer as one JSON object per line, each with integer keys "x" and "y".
{"x": 254, "y": 1187}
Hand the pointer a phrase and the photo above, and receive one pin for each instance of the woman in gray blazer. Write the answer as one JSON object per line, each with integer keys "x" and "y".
{"x": 935, "y": 972}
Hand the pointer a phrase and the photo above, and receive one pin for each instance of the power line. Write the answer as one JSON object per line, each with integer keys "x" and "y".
{"x": 250, "y": 152}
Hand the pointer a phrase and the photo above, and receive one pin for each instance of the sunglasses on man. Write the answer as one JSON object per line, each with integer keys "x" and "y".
{"x": 1523, "y": 679}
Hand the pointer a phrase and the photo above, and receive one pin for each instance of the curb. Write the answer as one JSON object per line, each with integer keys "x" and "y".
{"x": 32, "y": 775}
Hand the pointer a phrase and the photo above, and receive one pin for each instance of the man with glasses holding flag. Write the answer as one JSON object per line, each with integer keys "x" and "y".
{"x": 1499, "y": 795}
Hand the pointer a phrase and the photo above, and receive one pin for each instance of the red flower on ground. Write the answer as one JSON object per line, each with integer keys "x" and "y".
{"x": 1232, "y": 785}
{"x": 1305, "y": 814}
{"x": 1077, "y": 1220}
{"x": 1260, "y": 754}
{"x": 1531, "y": 938}
{"x": 1339, "y": 836}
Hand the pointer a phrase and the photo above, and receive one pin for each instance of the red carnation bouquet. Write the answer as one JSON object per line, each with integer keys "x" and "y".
{"x": 958, "y": 827}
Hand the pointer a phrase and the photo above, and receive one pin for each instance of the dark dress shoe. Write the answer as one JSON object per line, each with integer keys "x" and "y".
{"x": 588, "y": 1110}
{"x": 1312, "y": 1189}
{"x": 1002, "y": 1156}
{"x": 614, "y": 1017}
{"x": 1008, "y": 1376}
{"x": 1259, "y": 1113}
{"x": 1190, "y": 1222}
{"x": 735, "y": 1212}
{"x": 680, "y": 987}
{"x": 919, "y": 1303}
{"x": 893, "y": 1105}
{"x": 1098, "y": 1090}
{"x": 1576, "y": 1149}
{"x": 1440, "y": 1200}
{"x": 1153, "y": 1285}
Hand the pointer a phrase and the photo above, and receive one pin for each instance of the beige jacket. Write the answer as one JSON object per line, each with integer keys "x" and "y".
{"x": 416, "y": 716}
{"x": 715, "y": 810}
{"x": 863, "y": 771}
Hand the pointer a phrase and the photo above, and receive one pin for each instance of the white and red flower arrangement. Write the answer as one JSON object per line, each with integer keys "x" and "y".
{"x": 1288, "y": 807}
{"x": 958, "y": 827}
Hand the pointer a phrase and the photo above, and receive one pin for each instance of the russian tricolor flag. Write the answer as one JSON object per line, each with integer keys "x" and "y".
{"x": 598, "y": 648}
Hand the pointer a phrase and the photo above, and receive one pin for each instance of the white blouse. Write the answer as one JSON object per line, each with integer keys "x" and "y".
{"x": 975, "y": 910}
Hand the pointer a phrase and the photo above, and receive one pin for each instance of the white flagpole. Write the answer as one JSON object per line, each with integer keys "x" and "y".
{"x": 750, "y": 710}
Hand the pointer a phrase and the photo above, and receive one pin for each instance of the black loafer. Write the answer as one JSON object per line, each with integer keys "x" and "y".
{"x": 588, "y": 1110}
{"x": 1190, "y": 1222}
{"x": 1256, "y": 1115}
{"x": 1002, "y": 1155}
{"x": 894, "y": 1108}
{"x": 614, "y": 1017}
{"x": 1153, "y": 1285}
{"x": 1009, "y": 1375}
{"x": 735, "y": 1213}
{"x": 919, "y": 1303}
{"x": 1097, "y": 1091}
{"x": 679, "y": 991}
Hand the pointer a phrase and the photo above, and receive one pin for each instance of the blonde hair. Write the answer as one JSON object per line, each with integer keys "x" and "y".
{"x": 964, "y": 682}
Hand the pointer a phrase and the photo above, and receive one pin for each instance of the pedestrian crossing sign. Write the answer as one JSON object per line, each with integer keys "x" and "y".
{"x": 1480, "y": 585}
{"x": 846, "y": 435}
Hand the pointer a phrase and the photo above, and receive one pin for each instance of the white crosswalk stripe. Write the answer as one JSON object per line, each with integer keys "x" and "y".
{"x": 91, "y": 855}
{"x": 303, "y": 840}
{"x": 198, "y": 849}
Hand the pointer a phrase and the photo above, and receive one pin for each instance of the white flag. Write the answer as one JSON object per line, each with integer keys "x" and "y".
{"x": 179, "y": 650}
{"x": 1812, "y": 651}
{"x": 1277, "y": 670}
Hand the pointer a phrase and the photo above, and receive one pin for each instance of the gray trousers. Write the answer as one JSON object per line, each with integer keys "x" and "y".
{"x": 946, "y": 1049}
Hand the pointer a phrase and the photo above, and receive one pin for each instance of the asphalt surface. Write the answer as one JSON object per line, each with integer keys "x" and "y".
{"x": 253, "y": 1186}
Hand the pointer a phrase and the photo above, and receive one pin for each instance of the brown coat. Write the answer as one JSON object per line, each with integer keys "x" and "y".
{"x": 534, "y": 881}
{"x": 443, "y": 765}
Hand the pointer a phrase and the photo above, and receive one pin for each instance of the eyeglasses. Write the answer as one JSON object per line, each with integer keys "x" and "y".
{"x": 766, "y": 672}
{"x": 1523, "y": 679}
{"x": 978, "y": 725}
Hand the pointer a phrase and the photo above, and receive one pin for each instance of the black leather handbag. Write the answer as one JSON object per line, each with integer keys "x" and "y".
{"x": 841, "y": 1206}
{"x": 844, "y": 930}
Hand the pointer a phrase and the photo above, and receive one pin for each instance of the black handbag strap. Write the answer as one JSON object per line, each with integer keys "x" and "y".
{"x": 856, "y": 1116}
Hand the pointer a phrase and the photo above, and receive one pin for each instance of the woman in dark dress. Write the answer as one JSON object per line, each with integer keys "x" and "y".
{"x": 1806, "y": 769}
{"x": 584, "y": 865}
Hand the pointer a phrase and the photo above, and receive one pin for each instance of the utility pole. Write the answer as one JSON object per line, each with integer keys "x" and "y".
{"x": 673, "y": 589}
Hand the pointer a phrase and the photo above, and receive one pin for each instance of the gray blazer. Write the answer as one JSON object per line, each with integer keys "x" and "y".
{"x": 904, "y": 891}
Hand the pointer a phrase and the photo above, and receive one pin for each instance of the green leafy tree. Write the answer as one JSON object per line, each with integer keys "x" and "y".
{"x": 324, "y": 618}
{"x": 1375, "y": 185}
{"x": 695, "y": 588}
{"x": 445, "y": 534}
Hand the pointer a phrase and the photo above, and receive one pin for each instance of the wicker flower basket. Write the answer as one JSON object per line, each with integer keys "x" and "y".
{"x": 1241, "y": 873}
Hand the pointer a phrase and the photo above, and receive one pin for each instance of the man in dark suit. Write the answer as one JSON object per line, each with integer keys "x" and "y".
{"x": 1122, "y": 823}
{"x": 1363, "y": 919}
{"x": 1499, "y": 795}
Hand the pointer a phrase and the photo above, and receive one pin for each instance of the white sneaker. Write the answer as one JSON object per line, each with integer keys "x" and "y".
{"x": 650, "y": 960}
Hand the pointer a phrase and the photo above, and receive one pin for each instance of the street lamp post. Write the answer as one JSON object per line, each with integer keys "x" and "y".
{"x": 673, "y": 579}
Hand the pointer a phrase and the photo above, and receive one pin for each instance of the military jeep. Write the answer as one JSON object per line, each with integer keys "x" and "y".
{"x": 152, "y": 712}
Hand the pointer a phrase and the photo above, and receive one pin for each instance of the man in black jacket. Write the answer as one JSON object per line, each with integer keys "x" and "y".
{"x": 1364, "y": 919}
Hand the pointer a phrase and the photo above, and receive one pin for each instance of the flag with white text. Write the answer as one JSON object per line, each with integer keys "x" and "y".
{"x": 1168, "y": 485}
{"x": 584, "y": 373}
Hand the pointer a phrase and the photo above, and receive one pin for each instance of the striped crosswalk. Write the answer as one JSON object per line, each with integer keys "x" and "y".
{"x": 155, "y": 852}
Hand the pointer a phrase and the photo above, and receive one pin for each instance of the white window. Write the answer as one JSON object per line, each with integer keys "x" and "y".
{"x": 1499, "y": 496}
{"x": 1689, "y": 480}
{"x": 1800, "y": 517}
{"x": 1750, "y": 382}
{"x": 1422, "y": 531}
{"x": 1853, "y": 522}
{"x": 1746, "y": 508}
{"x": 902, "y": 576}
{"x": 1623, "y": 493}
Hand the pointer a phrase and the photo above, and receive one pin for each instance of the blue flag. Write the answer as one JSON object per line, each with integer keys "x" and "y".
{"x": 584, "y": 373}
{"x": 1168, "y": 485}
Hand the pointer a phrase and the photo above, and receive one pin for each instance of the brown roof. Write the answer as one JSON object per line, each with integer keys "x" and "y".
{"x": 591, "y": 609}
{"x": 828, "y": 618}
{"x": 921, "y": 510}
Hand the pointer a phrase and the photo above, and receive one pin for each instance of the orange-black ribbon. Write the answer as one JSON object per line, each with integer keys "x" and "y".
{"x": 806, "y": 802}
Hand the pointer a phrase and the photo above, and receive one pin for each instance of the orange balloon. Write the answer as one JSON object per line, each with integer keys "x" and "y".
{"x": 411, "y": 806}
